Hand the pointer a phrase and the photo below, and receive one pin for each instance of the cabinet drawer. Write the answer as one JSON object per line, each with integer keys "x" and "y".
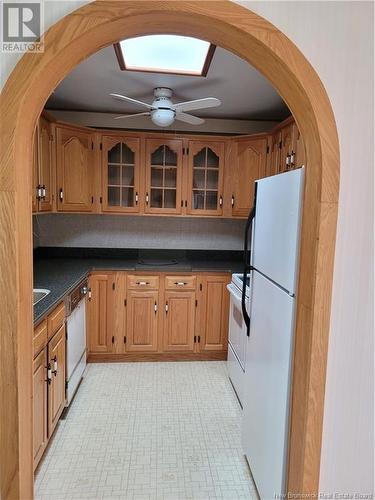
{"x": 180, "y": 282}
{"x": 56, "y": 319}
{"x": 143, "y": 282}
{"x": 40, "y": 337}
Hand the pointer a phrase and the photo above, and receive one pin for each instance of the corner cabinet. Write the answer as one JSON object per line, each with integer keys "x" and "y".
{"x": 248, "y": 164}
{"x": 205, "y": 178}
{"x": 120, "y": 174}
{"x": 75, "y": 169}
{"x": 164, "y": 159}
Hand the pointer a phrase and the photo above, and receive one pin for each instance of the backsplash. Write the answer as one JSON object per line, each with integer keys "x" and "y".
{"x": 108, "y": 231}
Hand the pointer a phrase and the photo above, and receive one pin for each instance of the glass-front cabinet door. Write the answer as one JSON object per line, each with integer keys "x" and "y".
{"x": 163, "y": 176}
{"x": 121, "y": 165}
{"x": 206, "y": 163}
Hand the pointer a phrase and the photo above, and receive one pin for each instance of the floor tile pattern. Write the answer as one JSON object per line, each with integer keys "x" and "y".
{"x": 168, "y": 431}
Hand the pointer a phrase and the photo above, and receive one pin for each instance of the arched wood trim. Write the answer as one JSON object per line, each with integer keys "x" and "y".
{"x": 67, "y": 43}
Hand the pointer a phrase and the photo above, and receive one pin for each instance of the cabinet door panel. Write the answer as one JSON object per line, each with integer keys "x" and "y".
{"x": 179, "y": 321}
{"x": 120, "y": 173}
{"x": 45, "y": 165}
{"x": 248, "y": 166}
{"x": 205, "y": 184}
{"x": 56, "y": 389}
{"x": 163, "y": 176}
{"x": 35, "y": 173}
{"x": 100, "y": 313}
{"x": 75, "y": 170}
{"x": 286, "y": 147}
{"x": 40, "y": 406}
{"x": 214, "y": 313}
{"x": 142, "y": 321}
{"x": 298, "y": 148}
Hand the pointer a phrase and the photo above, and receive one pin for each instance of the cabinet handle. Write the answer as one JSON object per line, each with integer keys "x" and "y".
{"x": 221, "y": 201}
{"x": 38, "y": 192}
{"x": 146, "y": 198}
{"x": 156, "y": 308}
{"x": 89, "y": 293}
{"x": 49, "y": 374}
{"x": 44, "y": 192}
{"x": 136, "y": 198}
{"x": 54, "y": 371}
{"x": 292, "y": 158}
{"x": 232, "y": 200}
{"x": 166, "y": 308}
{"x": 180, "y": 283}
{"x": 61, "y": 194}
{"x": 142, "y": 283}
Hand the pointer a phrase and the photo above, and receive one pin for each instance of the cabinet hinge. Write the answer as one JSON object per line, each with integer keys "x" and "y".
{"x": 196, "y": 303}
{"x": 195, "y": 339}
{"x": 92, "y": 145}
{"x": 113, "y": 339}
{"x": 125, "y": 302}
{"x": 187, "y": 151}
{"x": 92, "y": 199}
{"x": 200, "y": 287}
{"x": 101, "y": 146}
{"x": 268, "y": 150}
{"x": 280, "y": 145}
{"x": 51, "y": 138}
{"x": 101, "y": 200}
{"x": 183, "y": 151}
{"x": 113, "y": 286}
{"x": 199, "y": 339}
{"x": 124, "y": 339}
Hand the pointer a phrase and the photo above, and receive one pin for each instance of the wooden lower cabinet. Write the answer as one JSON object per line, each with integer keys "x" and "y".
{"x": 56, "y": 386}
{"x": 101, "y": 313}
{"x": 157, "y": 316}
{"x": 213, "y": 312}
{"x": 179, "y": 322}
{"x": 40, "y": 436}
{"x": 142, "y": 320}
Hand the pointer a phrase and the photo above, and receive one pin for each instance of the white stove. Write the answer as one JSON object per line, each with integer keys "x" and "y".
{"x": 237, "y": 333}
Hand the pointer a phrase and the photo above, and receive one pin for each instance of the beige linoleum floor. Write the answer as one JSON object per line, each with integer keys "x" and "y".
{"x": 149, "y": 431}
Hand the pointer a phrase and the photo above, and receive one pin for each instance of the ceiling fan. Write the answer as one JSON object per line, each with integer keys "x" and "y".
{"x": 162, "y": 110}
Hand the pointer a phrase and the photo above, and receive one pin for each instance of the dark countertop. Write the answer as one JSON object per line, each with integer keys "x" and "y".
{"x": 60, "y": 271}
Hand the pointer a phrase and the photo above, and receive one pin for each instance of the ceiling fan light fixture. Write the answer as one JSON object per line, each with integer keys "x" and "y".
{"x": 163, "y": 117}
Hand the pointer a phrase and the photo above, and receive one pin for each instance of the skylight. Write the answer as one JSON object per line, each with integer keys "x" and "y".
{"x": 165, "y": 54}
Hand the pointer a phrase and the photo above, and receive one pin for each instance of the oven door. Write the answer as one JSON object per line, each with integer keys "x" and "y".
{"x": 237, "y": 326}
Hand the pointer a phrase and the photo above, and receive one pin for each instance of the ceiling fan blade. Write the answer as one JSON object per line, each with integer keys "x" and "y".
{"x": 193, "y": 120}
{"x": 129, "y": 99}
{"x": 207, "y": 102}
{"x": 147, "y": 113}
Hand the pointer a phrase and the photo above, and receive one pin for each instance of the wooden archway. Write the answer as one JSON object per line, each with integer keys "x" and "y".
{"x": 67, "y": 43}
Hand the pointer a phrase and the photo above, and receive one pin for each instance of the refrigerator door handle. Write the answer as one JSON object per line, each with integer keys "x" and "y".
{"x": 247, "y": 268}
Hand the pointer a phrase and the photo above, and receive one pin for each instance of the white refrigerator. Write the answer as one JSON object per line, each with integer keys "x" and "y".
{"x": 270, "y": 315}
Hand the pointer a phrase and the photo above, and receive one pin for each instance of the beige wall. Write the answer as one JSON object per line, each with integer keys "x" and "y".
{"x": 337, "y": 38}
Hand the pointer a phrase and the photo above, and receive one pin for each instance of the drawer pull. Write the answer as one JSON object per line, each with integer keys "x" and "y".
{"x": 143, "y": 283}
{"x": 180, "y": 283}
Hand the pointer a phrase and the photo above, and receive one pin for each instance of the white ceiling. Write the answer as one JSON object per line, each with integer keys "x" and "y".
{"x": 243, "y": 91}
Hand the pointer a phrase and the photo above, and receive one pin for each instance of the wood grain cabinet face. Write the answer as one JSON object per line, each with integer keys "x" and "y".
{"x": 56, "y": 387}
{"x": 142, "y": 313}
{"x": 287, "y": 148}
{"x": 35, "y": 172}
{"x": 40, "y": 405}
{"x": 179, "y": 322}
{"x": 45, "y": 165}
{"x": 100, "y": 313}
{"x": 205, "y": 183}
{"x": 75, "y": 170}
{"x": 214, "y": 313}
{"x": 163, "y": 176}
{"x": 249, "y": 165}
{"x": 121, "y": 174}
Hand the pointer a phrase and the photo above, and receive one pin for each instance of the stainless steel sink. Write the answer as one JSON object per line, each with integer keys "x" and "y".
{"x": 39, "y": 294}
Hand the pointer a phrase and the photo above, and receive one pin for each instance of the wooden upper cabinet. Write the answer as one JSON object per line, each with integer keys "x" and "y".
{"x": 121, "y": 174}
{"x": 100, "y": 313}
{"x": 142, "y": 313}
{"x": 179, "y": 322}
{"x": 56, "y": 387}
{"x": 248, "y": 165}
{"x": 205, "y": 178}
{"x": 299, "y": 149}
{"x": 274, "y": 154}
{"x": 35, "y": 173}
{"x": 40, "y": 405}
{"x": 163, "y": 176}
{"x": 287, "y": 148}
{"x": 75, "y": 170}
{"x": 213, "y": 312}
{"x": 45, "y": 165}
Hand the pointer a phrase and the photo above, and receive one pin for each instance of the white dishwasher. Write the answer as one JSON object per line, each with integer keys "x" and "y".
{"x": 76, "y": 339}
